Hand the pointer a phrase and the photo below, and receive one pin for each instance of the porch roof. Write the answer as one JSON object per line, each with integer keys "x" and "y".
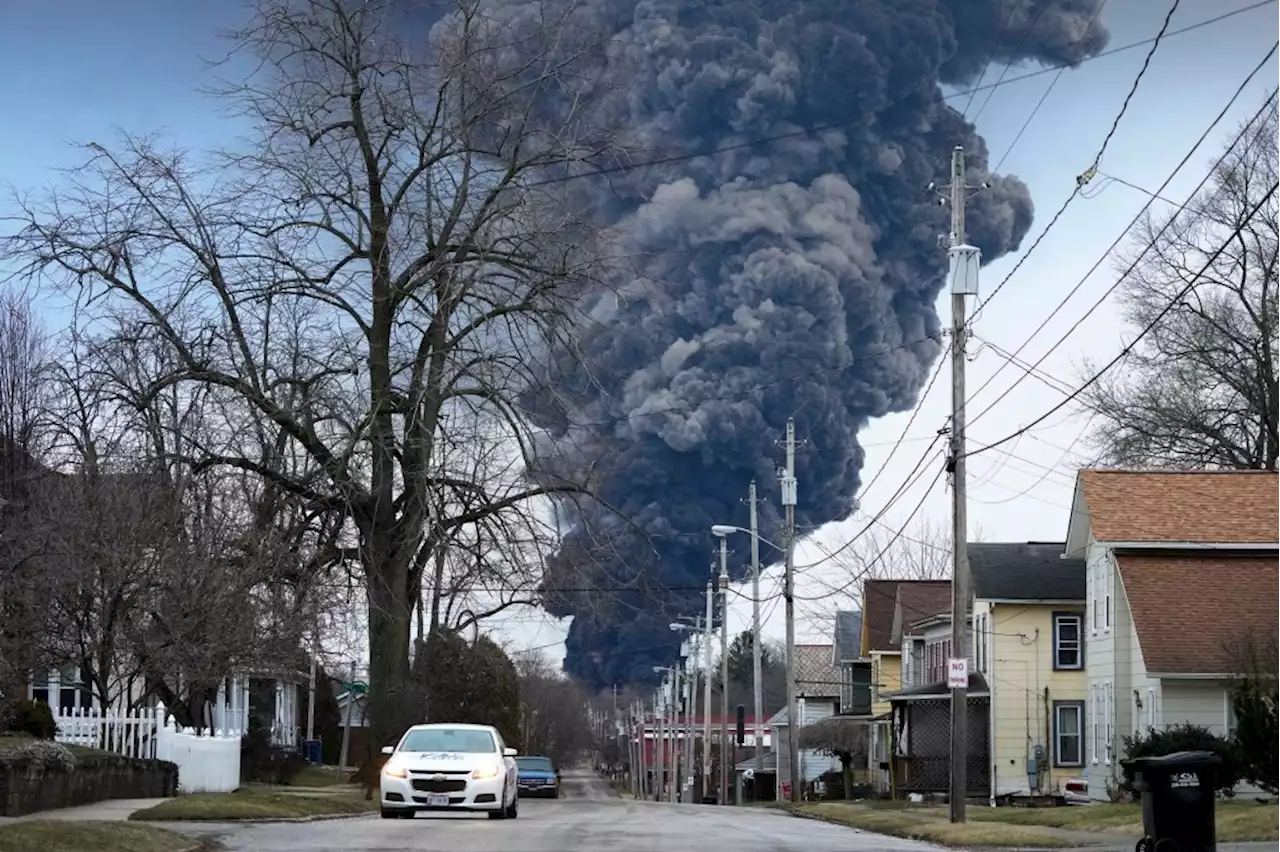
{"x": 977, "y": 686}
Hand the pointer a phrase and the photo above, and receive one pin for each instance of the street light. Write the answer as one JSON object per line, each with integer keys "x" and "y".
{"x": 722, "y": 531}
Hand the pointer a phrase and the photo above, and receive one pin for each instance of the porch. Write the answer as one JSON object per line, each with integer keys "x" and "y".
{"x": 920, "y": 740}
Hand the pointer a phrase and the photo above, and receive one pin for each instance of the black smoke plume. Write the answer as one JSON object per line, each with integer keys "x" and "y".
{"x": 793, "y": 277}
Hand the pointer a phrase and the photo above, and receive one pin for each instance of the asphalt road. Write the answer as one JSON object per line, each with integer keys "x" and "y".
{"x": 587, "y": 816}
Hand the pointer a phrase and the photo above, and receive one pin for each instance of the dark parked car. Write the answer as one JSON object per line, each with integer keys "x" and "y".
{"x": 537, "y": 776}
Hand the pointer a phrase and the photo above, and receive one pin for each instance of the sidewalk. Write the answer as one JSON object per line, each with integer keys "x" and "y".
{"x": 112, "y": 810}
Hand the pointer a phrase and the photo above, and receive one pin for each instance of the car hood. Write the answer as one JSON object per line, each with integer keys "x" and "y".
{"x": 535, "y": 773}
{"x": 439, "y": 761}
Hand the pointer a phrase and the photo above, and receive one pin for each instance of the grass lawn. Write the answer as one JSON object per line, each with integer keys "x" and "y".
{"x": 254, "y": 804}
{"x": 318, "y": 776}
{"x": 65, "y": 836}
{"x": 930, "y": 824}
{"x": 1236, "y": 821}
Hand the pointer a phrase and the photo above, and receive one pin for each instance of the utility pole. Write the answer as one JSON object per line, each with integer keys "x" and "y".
{"x": 788, "y": 483}
{"x": 661, "y": 743}
{"x": 724, "y": 670}
{"x": 346, "y": 729}
{"x": 706, "y": 699}
{"x": 964, "y": 261}
{"x": 692, "y": 728}
{"x": 644, "y": 749}
{"x": 677, "y": 689}
{"x": 757, "y": 675}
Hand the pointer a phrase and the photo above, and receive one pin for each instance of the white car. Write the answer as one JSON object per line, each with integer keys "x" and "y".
{"x": 449, "y": 767}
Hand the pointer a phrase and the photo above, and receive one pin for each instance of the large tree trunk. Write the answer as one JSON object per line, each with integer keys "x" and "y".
{"x": 392, "y": 704}
{"x": 846, "y": 774}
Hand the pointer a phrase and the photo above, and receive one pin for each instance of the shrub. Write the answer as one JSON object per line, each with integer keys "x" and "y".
{"x": 1185, "y": 738}
{"x": 1258, "y": 732}
{"x": 261, "y": 761}
{"x": 34, "y": 718}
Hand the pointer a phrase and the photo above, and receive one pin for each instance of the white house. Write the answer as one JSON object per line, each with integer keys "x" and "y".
{"x": 818, "y": 687}
{"x": 1182, "y": 567}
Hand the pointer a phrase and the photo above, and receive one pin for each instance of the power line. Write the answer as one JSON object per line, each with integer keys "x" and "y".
{"x": 1083, "y": 179}
{"x": 817, "y": 128}
{"x": 1150, "y": 245}
{"x": 1044, "y": 97}
{"x": 1146, "y": 330}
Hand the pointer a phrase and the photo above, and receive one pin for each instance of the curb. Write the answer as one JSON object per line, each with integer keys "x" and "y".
{"x": 254, "y": 820}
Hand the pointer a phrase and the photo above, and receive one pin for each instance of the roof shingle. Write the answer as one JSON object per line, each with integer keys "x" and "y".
{"x": 1235, "y": 506}
{"x": 918, "y": 601}
{"x": 1190, "y": 609}
{"x": 879, "y": 603}
{"x": 816, "y": 676}
{"x": 1025, "y": 571}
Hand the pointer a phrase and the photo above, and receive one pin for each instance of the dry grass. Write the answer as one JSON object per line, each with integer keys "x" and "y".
{"x": 930, "y": 824}
{"x": 1125, "y": 819}
{"x": 318, "y": 776}
{"x": 1236, "y": 821}
{"x": 253, "y": 804}
{"x": 66, "y": 836}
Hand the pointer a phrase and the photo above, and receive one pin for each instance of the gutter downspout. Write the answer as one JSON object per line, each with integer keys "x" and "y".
{"x": 991, "y": 714}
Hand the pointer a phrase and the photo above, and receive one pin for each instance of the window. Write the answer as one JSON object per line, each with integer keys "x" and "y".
{"x": 1068, "y": 733}
{"x": 1068, "y": 652}
{"x": 1095, "y": 698}
{"x": 981, "y": 652}
{"x": 40, "y": 687}
{"x": 1230, "y": 715}
{"x": 456, "y": 740}
{"x": 1092, "y": 575}
{"x": 1106, "y": 591}
{"x": 1108, "y": 709}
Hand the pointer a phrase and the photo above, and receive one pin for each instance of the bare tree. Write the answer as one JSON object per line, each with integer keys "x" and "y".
{"x": 1200, "y": 390}
{"x": 881, "y": 551}
{"x": 387, "y": 243}
{"x": 553, "y": 718}
{"x": 24, "y": 393}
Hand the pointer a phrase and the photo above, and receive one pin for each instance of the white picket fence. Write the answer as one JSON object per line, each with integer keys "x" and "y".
{"x": 208, "y": 760}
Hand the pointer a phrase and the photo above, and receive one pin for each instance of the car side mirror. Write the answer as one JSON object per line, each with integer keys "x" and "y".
{"x": 509, "y": 752}
{"x": 388, "y": 749}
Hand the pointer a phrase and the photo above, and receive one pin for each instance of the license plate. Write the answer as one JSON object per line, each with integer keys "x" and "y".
{"x": 437, "y": 801}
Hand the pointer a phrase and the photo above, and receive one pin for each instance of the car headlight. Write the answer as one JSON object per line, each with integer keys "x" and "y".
{"x": 395, "y": 770}
{"x": 485, "y": 772}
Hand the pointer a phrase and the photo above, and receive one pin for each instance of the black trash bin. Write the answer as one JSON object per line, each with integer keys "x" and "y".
{"x": 1177, "y": 800}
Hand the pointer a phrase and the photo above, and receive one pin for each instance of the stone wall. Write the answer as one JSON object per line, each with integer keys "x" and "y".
{"x": 29, "y": 785}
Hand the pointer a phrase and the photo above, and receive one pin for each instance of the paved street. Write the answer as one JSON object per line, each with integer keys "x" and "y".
{"x": 587, "y": 817}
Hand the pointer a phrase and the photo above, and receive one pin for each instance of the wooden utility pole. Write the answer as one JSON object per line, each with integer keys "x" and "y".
{"x": 964, "y": 261}
{"x": 788, "y": 484}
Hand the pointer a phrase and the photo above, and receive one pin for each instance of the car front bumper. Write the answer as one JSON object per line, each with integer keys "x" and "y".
{"x": 418, "y": 793}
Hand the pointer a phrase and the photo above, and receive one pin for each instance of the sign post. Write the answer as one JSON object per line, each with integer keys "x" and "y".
{"x": 957, "y": 672}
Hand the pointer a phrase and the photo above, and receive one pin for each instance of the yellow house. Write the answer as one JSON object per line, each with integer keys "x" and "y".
{"x": 879, "y": 603}
{"x": 1028, "y": 619}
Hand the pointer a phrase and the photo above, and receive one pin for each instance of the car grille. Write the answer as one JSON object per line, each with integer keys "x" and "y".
{"x": 441, "y": 785}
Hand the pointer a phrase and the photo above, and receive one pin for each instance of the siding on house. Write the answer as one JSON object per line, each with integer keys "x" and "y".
{"x": 1025, "y": 688}
{"x": 886, "y": 677}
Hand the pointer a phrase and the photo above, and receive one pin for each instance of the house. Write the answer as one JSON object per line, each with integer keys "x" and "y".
{"x": 919, "y": 744}
{"x": 1181, "y": 567}
{"x": 879, "y": 601}
{"x": 818, "y": 697}
{"x": 1028, "y": 617}
{"x": 855, "y": 670}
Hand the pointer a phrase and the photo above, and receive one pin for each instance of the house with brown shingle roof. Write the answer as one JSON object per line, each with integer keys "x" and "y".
{"x": 1181, "y": 566}
{"x": 879, "y": 605}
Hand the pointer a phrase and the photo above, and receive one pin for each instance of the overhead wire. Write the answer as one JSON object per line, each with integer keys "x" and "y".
{"x": 1143, "y": 333}
{"x": 816, "y": 128}
{"x": 1083, "y": 179}
{"x": 1192, "y": 196}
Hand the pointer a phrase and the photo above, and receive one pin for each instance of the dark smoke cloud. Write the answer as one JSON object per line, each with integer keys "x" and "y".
{"x": 796, "y": 277}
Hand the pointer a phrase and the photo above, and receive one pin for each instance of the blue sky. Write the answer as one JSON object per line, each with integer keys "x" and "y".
{"x": 137, "y": 65}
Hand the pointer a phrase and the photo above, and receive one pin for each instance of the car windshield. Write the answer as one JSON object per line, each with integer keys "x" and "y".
{"x": 535, "y": 764}
{"x": 457, "y": 740}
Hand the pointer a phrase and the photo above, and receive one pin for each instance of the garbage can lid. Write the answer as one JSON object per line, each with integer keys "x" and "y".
{"x": 1175, "y": 760}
